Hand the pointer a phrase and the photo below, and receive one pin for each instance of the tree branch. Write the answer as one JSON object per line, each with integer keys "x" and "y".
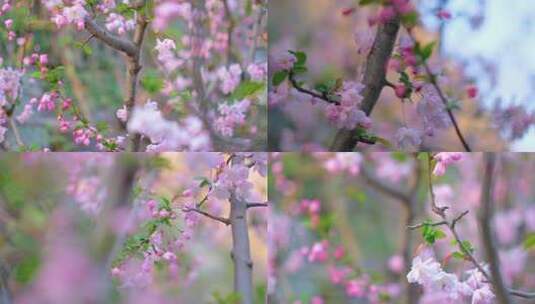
{"x": 374, "y": 80}
{"x": 388, "y": 189}
{"x": 433, "y": 80}
{"x": 298, "y": 87}
{"x": 452, "y": 227}
{"x": 254, "y": 205}
{"x": 115, "y": 42}
{"x": 485, "y": 214}
{"x": 208, "y": 215}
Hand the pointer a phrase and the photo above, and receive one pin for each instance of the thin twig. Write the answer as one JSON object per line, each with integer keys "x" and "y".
{"x": 254, "y": 205}
{"x": 433, "y": 80}
{"x": 223, "y": 220}
{"x": 323, "y": 96}
{"x": 15, "y": 129}
{"x": 468, "y": 255}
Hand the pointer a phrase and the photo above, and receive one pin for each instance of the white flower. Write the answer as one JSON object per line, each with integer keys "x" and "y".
{"x": 424, "y": 272}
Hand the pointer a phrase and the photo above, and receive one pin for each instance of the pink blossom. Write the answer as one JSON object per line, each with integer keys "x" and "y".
{"x": 283, "y": 61}
{"x": 483, "y": 296}
{"x": 356, "y": 288}
{"x": 396, "y": 264}
{"x": 319, "y": 252}
{"x": 443, "y": 160}
{"x": 432, "y": 110}
{"x": 231, "y": 117}
{"x": 117, "y": 23}
{"x": 339, "y": 252}
{"x": 8, "y": 23}
{"x": 408, "y": 138}
{"x": 337, "y": 275}
{"x": 25, "y": 114}
{"x": 472, "y": 91}
{"x": 257, "y": 71}
{"x": 444, "y": 14}
{"x": 230, "y": 78}
{"x": 169, "y": 256}
{"x": 47, "y": 102}
{"x": 122, "y": 114}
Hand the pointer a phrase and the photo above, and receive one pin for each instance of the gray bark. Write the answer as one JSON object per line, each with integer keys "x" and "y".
{"x": 241, "y": 251}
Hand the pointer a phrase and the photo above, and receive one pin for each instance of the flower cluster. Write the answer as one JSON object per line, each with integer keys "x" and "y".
{"x": 231, "y": 116}
{"x": 443, "y": 160}
{"x": 166, "y": 135}
{"x": 347, "y": 115}
{"x": 67, "y": 12}
{"x": 427, "y": 272}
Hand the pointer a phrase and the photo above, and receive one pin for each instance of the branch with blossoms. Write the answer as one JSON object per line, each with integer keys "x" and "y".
{"x": 230, "y": 182}
{"x": 481, "y": 293}
{"x": 171, "y": 103}
{"x": 165, "y": 225}
{"x": 348, "y": 104}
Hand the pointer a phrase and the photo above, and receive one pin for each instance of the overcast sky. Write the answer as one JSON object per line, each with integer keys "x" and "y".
{"x": 506, "y": 38}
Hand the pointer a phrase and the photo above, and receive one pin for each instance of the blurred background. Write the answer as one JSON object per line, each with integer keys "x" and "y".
{"x": 61, "y": 235}
{"x": 485, "y": 43}
{"x": 349, "y": 241}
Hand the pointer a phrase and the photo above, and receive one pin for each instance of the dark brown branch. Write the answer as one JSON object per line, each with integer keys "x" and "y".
{"x": 299, "y": 88}
{"x": 254, "y": 205}
{"x": 374, "y": 80}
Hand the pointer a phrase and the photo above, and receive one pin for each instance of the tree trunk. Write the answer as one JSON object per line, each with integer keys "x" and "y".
{"x": 374, "y": 80}
{"x": 241, "y": 251}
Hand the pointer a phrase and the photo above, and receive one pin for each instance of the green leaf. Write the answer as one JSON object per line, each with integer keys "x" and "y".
{"x": 467, "y": 246}
{"x": 410, "y": 20}
{"x": 26, "y": 270}
{"x": 367, "y": 2}
{"x": 102, "y": 126}
{"x": 279, "y": 77}
{"x": 300, "y": 69}
{"x": 458, "y": 255}
{"x": 301, "y": 58}
{"x": 529, "y": 241}
{"x": 427, "y": 51}
{"x": 384, "y": 142}
{"x": 151, "y": 82}
{"x": 125, "y": 10}
{"x": 431, "y": 234}
{"x": 232, "y": 298}
{"x": 36, "y": 74}
{"x": 247, "y": 88}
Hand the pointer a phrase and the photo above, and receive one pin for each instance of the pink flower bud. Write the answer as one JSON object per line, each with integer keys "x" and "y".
{"x": 400, "y": 90}
{"x": 472, "y": 91}
{"x": 43, "y": 59}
